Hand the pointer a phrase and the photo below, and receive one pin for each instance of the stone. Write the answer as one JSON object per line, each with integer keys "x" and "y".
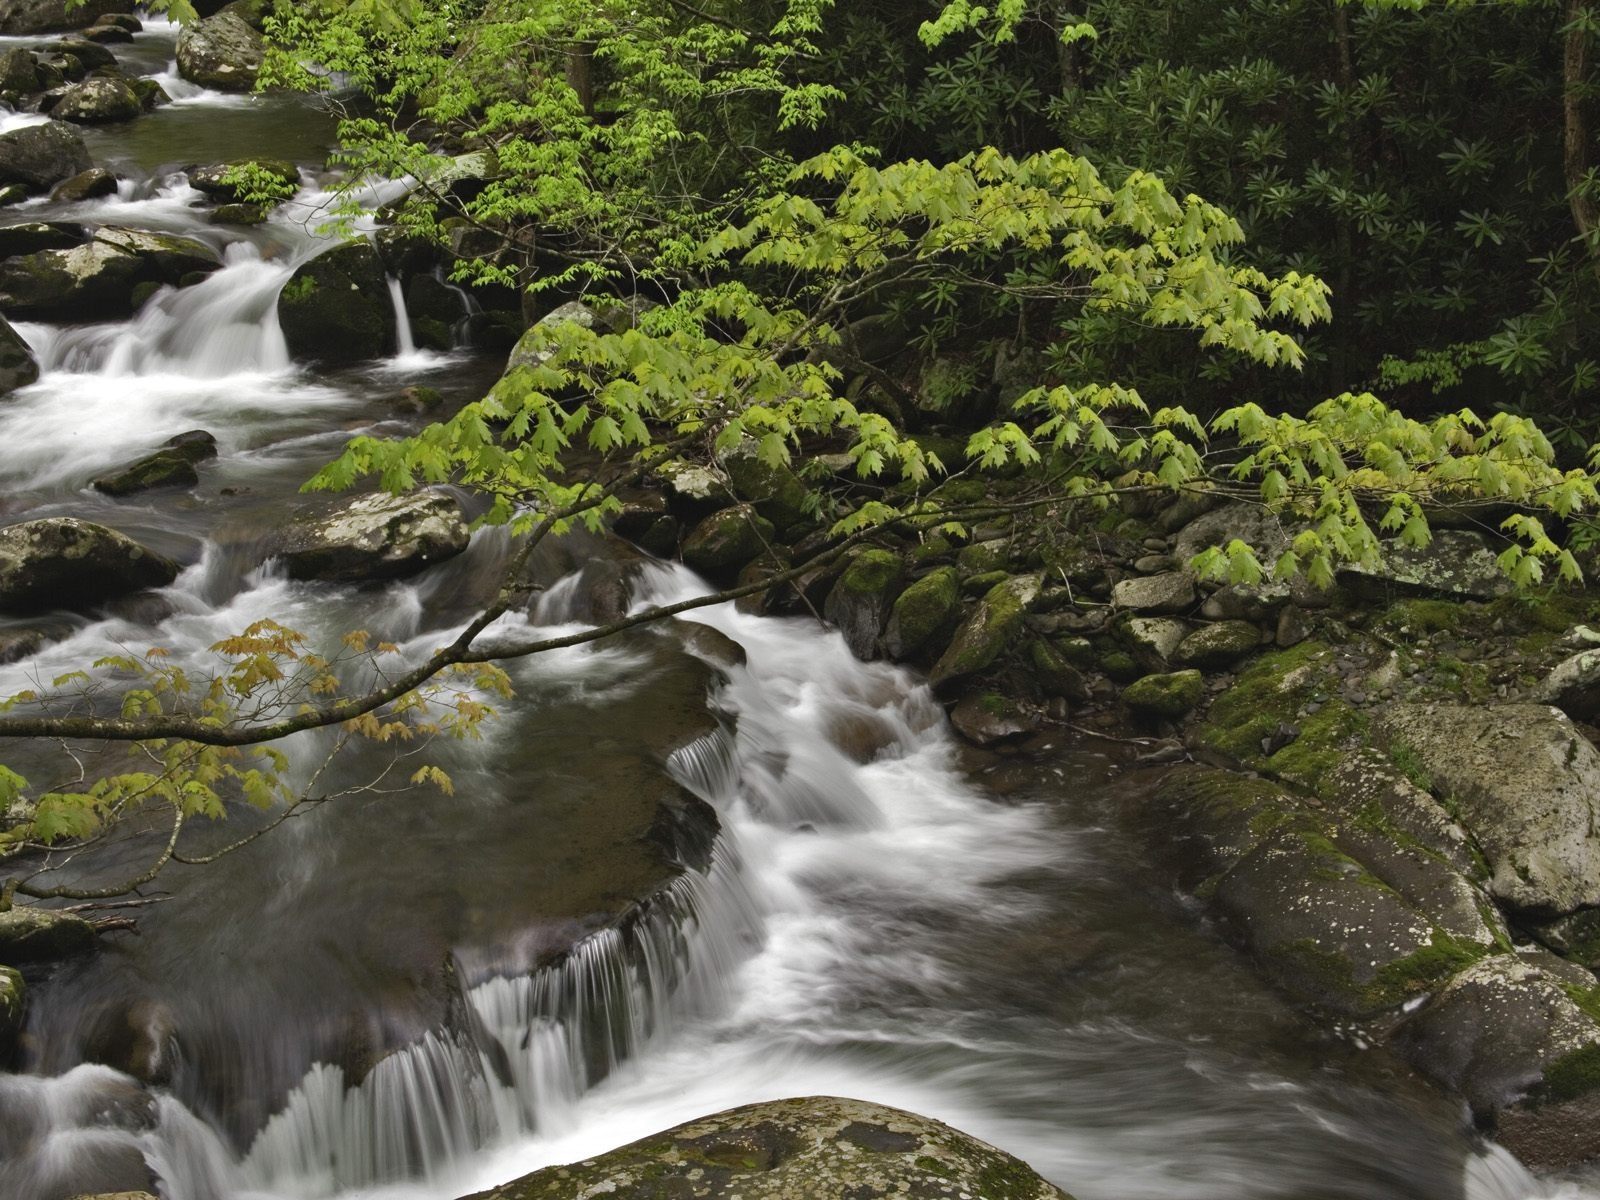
{"x": 212, "y": 178}
{"x": 1169, "y": 592}
{"x": 21, "y": 17}
{"x": 1152, "y": 640}
{"x": 164, "y": 256}
{"x": 88, "y": 55}
{"x": 693, "y": 488}
{"x": 151, "y": 94}
{"x": 773, "y": 488}
{"x": 30, "y": 935}
{"x": 1456, "y": 563}
{"x": 37, "y": 156}
{"x": 91, "y": 184}
{"x": 154, "y": 471}
{"x": 62, "y": 562}
{"x": 89, "y": 280}
{"x": 1573, "y": 686}
{"x": 924, "y": 611}
{"x": 981, "y": 558}
{"x": 375, "y": 537}
{"x": 336, "y": 308}
{"x": 988, "y": 718}
{"x": 815, "y": 1146}
{"x": 1167, "y": 696}
{"x": 1056, "y": 676}
{"x": 858, "y": 604}
{"x": 988, "y": 631}
{"x": 19, "y": 73}
{"x": 98, "y": 100}
{"x": 725, "y": 541}
{"x": 221, "y": 52}
{"x": 238, "y": 214}
{"x": 1245, "y": 602}
{"x": 13, "y": 1004}
{"x": 1213, "y": 646}
{"x": 195, "y": 445}
{"x": 1293, "y": 627}
{"x": 106, "y": 34}
{"x": 32, "y": 236}
{"x": 18, "y": 367}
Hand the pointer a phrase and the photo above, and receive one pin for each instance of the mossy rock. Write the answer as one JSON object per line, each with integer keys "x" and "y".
{"x": 1167, "y": 697}
{"x": 977, "y": 585}
{"x": 812, "y": 1148}
{"x": 924, "y": 611}
{"x": 1079, "y": 651}
{"x": 982, "y": 558}
{"x": 1119, "y": 666}
{"x": 30, "y": 935}
{"x": 1219, "y": 645}
{"x": 774, "y": 489}
{"x": 988, "y": 718}
{"x": 1055, "y": 675}
{"x": 988, "y": 631}
{"x": 336, "y": 307}
{"x": 13, "y": 1004}
{"x": 725, "y": 541}
{"x": 166, "y": 469}
{"x": 859, "y": 602}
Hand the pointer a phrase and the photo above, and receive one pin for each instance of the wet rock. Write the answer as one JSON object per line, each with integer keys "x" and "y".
{"x": 194, "y": 445}
{"x": 782, "y": 1150}
{"x": 773, "y": 488}
{"x": 1457, "y": 563}
{"x": 151, "y": 94}
{"x": 1219, "y": 645}
{"x": 988, "y": 631}
{"x": 62, "y": 562}
{"x": 98, "y": 100}
{"x": 104, "y": 34}
{"x": 163, "y": 256}
{"x": 155, "y": 471}
{"x": 1165, "y": 697}
{"x": 20, "y": 17}
{"x": 238, "y": 214}
{"x": 924, "y": 612}
{"x": 1153, "y": 641}
{"x": 727, "y": 540}
{"x": 89, "y": 280}
{"x": 859, "y": 602}
{"x": 1524, "y": 783}
{"x": 1055, "y": 675}
{"x": 18, "y": 367}
{"x": 88, "y": 55}
{"x": 221, "y": 52}
{"x": 213, "y": 178}
{"x": 95, "y": 182}
{"x": 375, "y": 537}
{"x": 1573, "y": 686}
{"x": 13, "y": 1004}
{"x": 1518, "y": 1041}
{"x": 37, "y": 156}
{"x": 30, "y": 935}
{"x": 336, "y": 307}
{"x": 988, "y": 718}
{"x": 33, "y": 236}
{"x": 1575, "y": 936}
{"x": 1169, "y": 592}
{"x": 19, "y": 74}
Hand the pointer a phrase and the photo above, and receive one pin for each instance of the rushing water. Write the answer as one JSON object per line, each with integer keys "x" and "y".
{"x": 883, "y": 915}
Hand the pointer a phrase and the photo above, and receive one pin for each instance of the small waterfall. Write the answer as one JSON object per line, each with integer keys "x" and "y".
{"x": 405, "y": 344}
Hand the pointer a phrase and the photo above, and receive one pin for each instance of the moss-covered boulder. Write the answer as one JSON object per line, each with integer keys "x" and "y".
{"x": 220, "y": 181}
{"x": 1456, "y": 562}
{"x": 37, "y": 156}
{"x": 1055, "y": 675}
{"x": 981, "y": 558}
{"x": 988, "y": 631}
{"x": 1164, "y": 697}
{"x": 859, "y": 602}
{"x": 336, "y": 308}
{"x": 151, "y": 472}
{"x": 988, "y": 718}
{"x": 29, "y": 935}
{"x": 924, "y": 612}
{"x": 772, "y": 487}
{"x": 374, "y": 537}
{"x": 813, "y": 1148}
{"x": 725, "y": 541}
{"x": 98, "y": 100}
{"x": 1153, "y": 641}
{"x": 1216, "y": 646}
{"x": 13, "y": 1003}
{"x": 62, "y": 562}
{"x": 222, "y": 52}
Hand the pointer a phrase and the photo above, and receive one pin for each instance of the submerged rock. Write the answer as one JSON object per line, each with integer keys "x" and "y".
{"x": 375, "y": 537}
{"x": 221, "y": 52}
{"x": 62, "y": 562}
{"x": 818, "y": 1146}
{"x": 155, "y": 471}
{"x": 37, "y": 156}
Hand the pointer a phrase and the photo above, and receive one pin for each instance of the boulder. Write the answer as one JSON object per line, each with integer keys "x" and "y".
{"x": 988, "y": 631}
{"x": 1573, "y": 686}
{"x": 221, "y": 52}
{"x": 62, "y": 562}
{"x": 211, "y": 179}
{"x": 1153, "y": 641}
{"x": 725, "y": 541}
{"x": 1056, "y": 676}
{"x": 87, "y": 281}
{"x": 98, "y": 100}
{"x": 13, "y": 1003}
{"x": 29, "y": 935}
{"x": 1524, "y": 783}
{"x": 166, "y": 257}
{"x": 859, "y": 602}
{"x": 18, "y": 367}
{"x": 243, "y": 214}
{"x": 89, "y": 185}
{"x": 33, "y": 236}
{"x": 816, "y": 1146}
{"x": 1169, "y": 592}
{"x": 163, "y": 469}
{"x": 20, "y": 17}
{"x": 1164, "y": 697}
{"x": 1219, "y": 645}
{"x": 336, "y": 308}
{"x": 773, "y": 488}
{"x": 375, "y": 537}
{"x": 105, "y": 34}
{"x": 988, "y": 718}
{"x": 19, "y": 74}
{"x": 924, "y": 611}
{"x": 89, "y": 56}
{"x": 1456, "y": 563}
{"x": 37, "y": 156}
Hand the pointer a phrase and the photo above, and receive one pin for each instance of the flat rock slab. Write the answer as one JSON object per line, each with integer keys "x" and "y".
{"x": 815, "y": 1148}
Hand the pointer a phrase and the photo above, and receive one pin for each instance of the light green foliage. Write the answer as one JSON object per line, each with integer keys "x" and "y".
{"x": 254, "y": 184}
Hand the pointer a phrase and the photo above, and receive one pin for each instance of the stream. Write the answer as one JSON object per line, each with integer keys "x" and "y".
{"x": 885, "y": 914}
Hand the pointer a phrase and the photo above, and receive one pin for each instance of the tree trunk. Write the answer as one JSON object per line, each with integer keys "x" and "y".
{"x": 1575, "y": 157}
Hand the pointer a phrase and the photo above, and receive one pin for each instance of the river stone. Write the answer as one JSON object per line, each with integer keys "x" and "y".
{"x": 1517, "y": 1040}
{"x": 375, "y": 537}
{"x": 859, "y": 602}
{"x": 1573, "y": 686}
{"x": 725, "y": 541}
{"x": 19, "y": 74}
{"x": 988, "y": 631}
{"x": 18, "y": 367}
{"x": 90, "y": 280}
{"x": 33, "y": 236}
{"x": 336, "y": 308}
{"x": 62, "y": 562}
{"x": 103, "y": 33}
{"x": 164, "y": 256}
{"x": 773, "y": 488}
{"x": 221, "y": 52}
{"x": 1524, "y": 783}
{"x": 91, "y": 184}
{"x": 160, "y": 470}
{"x": 813, "y": 1148}
{"x": 38, "y": 156}
{"x": 1167, "y": 696}
{"x": 13, "y": 1003}
{"x": 1245, "y": 602}
{"x": 1456, "y": 563}
{"x": 19, "y": 17}
{"x": 211, "y": 178}
{"x": 924, "y": 611}
{"x": 1153, "y": 640}
{"x": 98, "y": 100}
{"x": 1169, "y": 592}
{"x": 1219, "y": 645}
{"x": 988, "y": 718}
{"x": 1055, "y": 675}
{"x": 29, "y": 935}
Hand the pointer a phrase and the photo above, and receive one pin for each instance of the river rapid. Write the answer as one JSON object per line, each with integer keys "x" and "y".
{"x": 885, "y": 915}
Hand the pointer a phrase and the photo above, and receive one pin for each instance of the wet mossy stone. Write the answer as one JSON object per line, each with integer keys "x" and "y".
{"x": 18, "y": 367}
{"x": 38, "y": 156}
{"x": 1167, "y": 696}
{"x": 221, "y": 52}
{"x": 238, "y": 214}
{"x": 375, "y": 537}
{"x": 156, "y": 471}
{"x": 1219, "y": 645}
{"x": 725, "y": 541}
{"x": 1055, "y": 675}
{"x": 30, "y": 935}
{"x": 773, "y": 488}
{"x": 195, "y": 445}
{"x": 98, "y": 100}
{"x": 13, "y": 1003}
{"x": 19, "y": 73}
{"x": 30, "y": 237}
{"x": 20, "y": 17}
{"x": 811, "y": 1148}
{"x": 1119, "y": 666}
{"x": 96, "y": 181}
{"x": 336, "y": 308}
{"x": 977, "y": 585}
{"x": 859, "y": 602}
{"x": 988, "y": 632}
{"x": 988, "y": 718}
{"x": 924, "y": 611}
{"x": 212, "y": 179}
{"x": 151, "y": 94}
{"x": 62, "y": 562}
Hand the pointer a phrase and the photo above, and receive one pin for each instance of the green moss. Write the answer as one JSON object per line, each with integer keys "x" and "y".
{"x": 1423, "y": 616}
{"x": 299, "y": 288}
{"x": 1170, "y": 696}
{"x": 982, "y": 558}
{"x": 928, "y": 606}
{"x": 1119, "y": 665}
{"x": 871, "y": 573}
{"x": 1576, "y": 1074}
{"x": 986, "y": 634}
{"x": 977, "y": 585}
{"x": 1443, "y": 958}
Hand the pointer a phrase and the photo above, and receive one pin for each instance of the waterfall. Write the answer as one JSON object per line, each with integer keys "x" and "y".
{"x": 405, "y": 345}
